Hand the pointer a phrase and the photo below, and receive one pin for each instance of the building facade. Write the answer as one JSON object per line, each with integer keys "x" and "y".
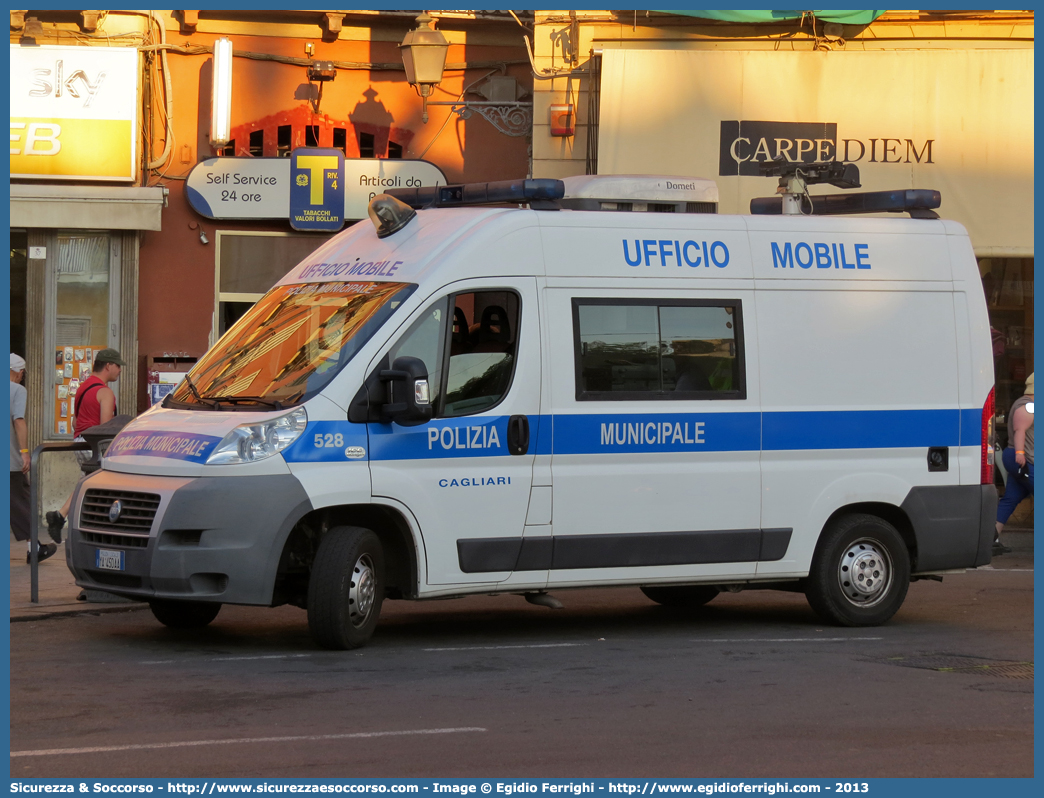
{"x": 120, "y": 235}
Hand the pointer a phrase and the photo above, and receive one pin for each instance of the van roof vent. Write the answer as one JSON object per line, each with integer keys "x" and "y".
{"x": 640, "y": 193}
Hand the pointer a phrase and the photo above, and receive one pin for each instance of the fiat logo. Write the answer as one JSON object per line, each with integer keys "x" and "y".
{"x": 114, "y": 511}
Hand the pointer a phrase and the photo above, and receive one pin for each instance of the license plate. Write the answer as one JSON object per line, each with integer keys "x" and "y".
{"x": 109, "y": 560}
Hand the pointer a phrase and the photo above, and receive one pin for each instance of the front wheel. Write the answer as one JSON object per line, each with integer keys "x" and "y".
{"x": 346, "y": 588}
{"x": 860, "y": 572}
{"x": 184, "y": 614}
{"x": 686, "y": 597}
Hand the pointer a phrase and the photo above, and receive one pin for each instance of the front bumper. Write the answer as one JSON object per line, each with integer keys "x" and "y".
{"x": 210, "y": 539}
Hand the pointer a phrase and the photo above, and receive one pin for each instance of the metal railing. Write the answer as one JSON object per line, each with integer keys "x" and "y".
{"x": 96, "y": 440}
{"x": 34, "y": 499}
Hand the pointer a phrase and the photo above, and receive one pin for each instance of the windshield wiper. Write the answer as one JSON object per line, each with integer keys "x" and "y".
{"x": 233, "y": 400}
{"x": 196, "y": 393}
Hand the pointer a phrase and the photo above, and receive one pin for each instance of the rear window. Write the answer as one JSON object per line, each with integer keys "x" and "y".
{"x": 290, "y": 344}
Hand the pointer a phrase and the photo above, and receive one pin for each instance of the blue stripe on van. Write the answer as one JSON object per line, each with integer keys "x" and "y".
{"x": 860, "y": 429}
{"x": 657, "y": 432}
{"x": 971, "y": 427}
{"x": 540, "y": 434}
{"x": 328, "y": 442}
{"x": 622, "y": 433}
{"x": 470, "y": 436}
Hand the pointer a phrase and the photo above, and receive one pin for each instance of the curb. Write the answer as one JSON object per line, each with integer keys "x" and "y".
{"x": 91, "y": 608}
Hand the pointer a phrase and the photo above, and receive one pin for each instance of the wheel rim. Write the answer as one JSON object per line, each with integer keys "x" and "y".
{"x": 362, "y": 592}
{"x": 865, "y": 573}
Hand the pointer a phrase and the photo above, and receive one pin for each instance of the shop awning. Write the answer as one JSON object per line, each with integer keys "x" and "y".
{"x": 87, "y": 207}
{"x": 850, "y": 17}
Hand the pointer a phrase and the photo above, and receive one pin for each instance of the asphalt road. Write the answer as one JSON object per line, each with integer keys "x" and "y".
{"x": 612, "y": 685}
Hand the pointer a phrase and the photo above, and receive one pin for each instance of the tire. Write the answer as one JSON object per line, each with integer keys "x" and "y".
{"x": 346, "y": 588}
{"x": 860, "y": 572}
{"x": 687, "y": 597}
{"x": 184, "y": 614}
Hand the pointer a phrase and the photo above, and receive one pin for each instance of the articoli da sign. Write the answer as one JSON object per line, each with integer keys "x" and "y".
{"x": 286, "y": 188}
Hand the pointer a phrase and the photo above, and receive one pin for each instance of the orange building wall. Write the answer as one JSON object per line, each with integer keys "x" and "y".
{"x": 176, "y": 270}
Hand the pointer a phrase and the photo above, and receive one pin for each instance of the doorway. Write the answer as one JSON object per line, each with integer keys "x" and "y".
{"x": 19, "y": 266}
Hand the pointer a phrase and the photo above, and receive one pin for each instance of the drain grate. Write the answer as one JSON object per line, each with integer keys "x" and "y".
{"x": 974, "y": 666}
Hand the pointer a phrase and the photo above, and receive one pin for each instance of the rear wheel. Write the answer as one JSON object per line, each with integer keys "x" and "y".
{"x": 346, "y": 588}
{"x": 860, "y": 572}
{"x": 680, "y": 596}
{"x": 184, "y": 614}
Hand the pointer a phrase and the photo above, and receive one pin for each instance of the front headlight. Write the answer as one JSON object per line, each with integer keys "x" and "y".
{"x": 252, "y": 442}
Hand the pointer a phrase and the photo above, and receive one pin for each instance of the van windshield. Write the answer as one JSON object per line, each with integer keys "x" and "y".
{"x": 289, "y": 345}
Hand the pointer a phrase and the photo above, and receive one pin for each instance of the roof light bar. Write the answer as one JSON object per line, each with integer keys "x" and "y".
{"x": 917, "y": 202}
{"x": 836, "y": 173}
{"x": 502, "y": 191}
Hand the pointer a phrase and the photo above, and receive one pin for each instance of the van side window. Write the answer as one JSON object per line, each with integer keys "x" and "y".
{"x": 482, "y": 351}
{"x": 658, "y": 349}
{"x": 426, "y": 340}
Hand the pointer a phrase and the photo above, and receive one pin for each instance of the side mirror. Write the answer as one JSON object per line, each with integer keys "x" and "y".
{"x": 410, "y": 398}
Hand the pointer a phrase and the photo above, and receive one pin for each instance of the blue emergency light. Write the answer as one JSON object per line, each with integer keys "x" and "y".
{"x": 534, "y": 190}
{"x": 917, "y": 202}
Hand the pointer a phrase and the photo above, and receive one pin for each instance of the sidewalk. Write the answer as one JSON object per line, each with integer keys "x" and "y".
{"x": 56, "y": 589}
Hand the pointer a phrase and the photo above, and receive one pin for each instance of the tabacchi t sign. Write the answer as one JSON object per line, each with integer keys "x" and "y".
{"x": 317, "y": 189}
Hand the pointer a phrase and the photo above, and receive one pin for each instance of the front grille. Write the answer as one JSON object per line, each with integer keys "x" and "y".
{"x": 104, "y": 539}
{"x": 136, "y": 517}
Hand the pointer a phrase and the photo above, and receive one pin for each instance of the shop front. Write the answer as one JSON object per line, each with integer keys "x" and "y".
{"x": 76, "y": 220}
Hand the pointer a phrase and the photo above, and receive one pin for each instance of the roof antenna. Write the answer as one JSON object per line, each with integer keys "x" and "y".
{"x": 795, "y": 177}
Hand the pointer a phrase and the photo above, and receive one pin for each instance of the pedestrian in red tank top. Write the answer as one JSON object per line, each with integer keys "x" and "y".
{"x": 94, "y": 404}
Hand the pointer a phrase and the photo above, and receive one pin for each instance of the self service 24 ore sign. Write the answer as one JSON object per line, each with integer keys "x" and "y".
{"x": 317, "y": 189}
{"x": 260, "y": 188}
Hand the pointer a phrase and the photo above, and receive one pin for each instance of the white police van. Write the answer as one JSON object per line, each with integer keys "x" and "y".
{"x": 617, "y": 386}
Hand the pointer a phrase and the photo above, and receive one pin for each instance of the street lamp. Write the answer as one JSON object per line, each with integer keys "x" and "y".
{"x": 424, "y": 56}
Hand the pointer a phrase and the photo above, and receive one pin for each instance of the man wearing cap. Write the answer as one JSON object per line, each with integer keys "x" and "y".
{"x": 95, "y": 403}
{"x": 20, "y": 509}
{"x": 1018, "y": 461}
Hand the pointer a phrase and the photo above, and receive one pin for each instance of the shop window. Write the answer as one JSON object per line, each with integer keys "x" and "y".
{"x": 311, "y": 135}
{"x": 229, "y": 150}
{"x": 248, "y": 264}
{"x": 257, "y": 143}
{"x": 658, "y": 349}
{"x": 366, "y": 149}
{"x": 85, "y": 319}
{"x": 1008, "y": 286}
{"x": 284, "y": 139}
{"x": 394, "y": 150}
{"x": 230, "y": 314}
{"x": 340, "y": 139}
{"x": 72, "y": 330}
